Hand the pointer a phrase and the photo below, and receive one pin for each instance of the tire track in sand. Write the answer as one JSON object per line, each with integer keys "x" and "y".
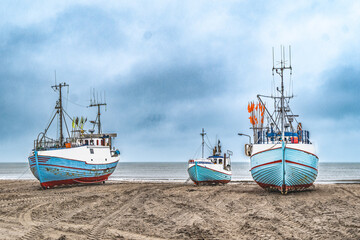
{"x": 38, "y": 229}
{"x": 99, "y": 229}
{"x": 290, "y": 221}
{"x": 25, "y": 218}
{"x": 348, "y": 192}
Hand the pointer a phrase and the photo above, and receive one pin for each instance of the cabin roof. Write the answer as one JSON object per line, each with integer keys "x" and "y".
{"x": 95, "y": 135}
{"x": 216, "y": 156}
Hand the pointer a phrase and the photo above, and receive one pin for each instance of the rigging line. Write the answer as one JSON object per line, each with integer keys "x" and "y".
{"x": 95, "y": 122}
{"x": 51, "y": 117}
{"x": 27, "y": 169}
{"x": 48, "y": 126}
{"x": 287, "y": 102}
{"x": 67, "y": 98}
{"x": 208, "y": 146}
{"x": 196, "y": 152}
{"x": 67, "y": 115}
{"x": 57, "y": 128}
{"x": 76, "y": 103}
{"x": 209, "y": 141}
{"x": 273, "y": 86}
{"x": 66, "y": 126}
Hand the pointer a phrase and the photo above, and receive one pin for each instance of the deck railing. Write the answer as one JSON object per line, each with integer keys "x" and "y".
{"x": 265, "y": 137}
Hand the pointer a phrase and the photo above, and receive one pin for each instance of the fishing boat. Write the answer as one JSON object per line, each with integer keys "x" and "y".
{"x": 82, "y": 157}
{"x": 215, "y": 169}
{"x": 282, "y": 156}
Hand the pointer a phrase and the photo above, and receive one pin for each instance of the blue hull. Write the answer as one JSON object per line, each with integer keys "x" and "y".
{"x": 199, "y": 174}
{"x": 285, "y": 169}
{"x": 52, "y": 171}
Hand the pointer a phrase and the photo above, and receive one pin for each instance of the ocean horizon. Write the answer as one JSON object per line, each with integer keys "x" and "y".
{"x": 329, "y": 172}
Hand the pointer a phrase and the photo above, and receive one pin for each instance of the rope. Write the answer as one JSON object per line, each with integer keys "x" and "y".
{"x": 75, "y": 103}
{"x": 27, "y": 169}
{"x": 209, "y": 142}
{"x": 51, "y": 117}
{"x": 208, "y": 146}
{"x": 196, "y": 152}
{"x": 67, "y": 115}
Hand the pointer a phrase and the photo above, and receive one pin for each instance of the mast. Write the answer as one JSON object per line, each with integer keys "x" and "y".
{"x": 203, "y": 142}
{"x": 60, "y": 108}
{"x": 94, "y": 103}
{"x": 280, "y": 71}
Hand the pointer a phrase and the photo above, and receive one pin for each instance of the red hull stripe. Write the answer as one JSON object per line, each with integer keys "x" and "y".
{"x": 213, "y": 170}
{"x": 301, "y": 164}
{"x": 213, "y": 181}
{"x": 277, "y": 161}
{"x": 76, "y": 180}
{"x": 64, "y": 158}
{"x": 50, "y": 165}
{"x": 303, "y": 151}
{"x": 266, "y": 151}
{"x": 285, "y": 148}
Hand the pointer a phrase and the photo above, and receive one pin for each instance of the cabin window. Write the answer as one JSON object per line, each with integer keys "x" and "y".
{"x": 91, "y": 142}
{"x": 86, "y": 142}
{"x": 97, "y": 142}
{"x": 220, "y": 161}
{"x": 105, "y": 159}
{"x": 102, "y": 142}
{"x": 91, "y": 151}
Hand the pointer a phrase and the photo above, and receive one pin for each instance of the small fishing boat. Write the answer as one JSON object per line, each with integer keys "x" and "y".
{"x": 282, "y": 156}
{"x": 83, "y": 157}
{"x": 212, "y": 170}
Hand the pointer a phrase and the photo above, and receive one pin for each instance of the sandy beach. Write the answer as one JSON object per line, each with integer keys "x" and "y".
{"x": 118, "y": 210}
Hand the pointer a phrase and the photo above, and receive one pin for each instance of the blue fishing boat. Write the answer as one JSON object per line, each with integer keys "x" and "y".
{"x": 282, "y": 156}
{"x": 83, "y": 157}
{"x": 212, "y": 170}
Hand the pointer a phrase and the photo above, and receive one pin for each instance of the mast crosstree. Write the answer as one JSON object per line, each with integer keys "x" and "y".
{"x": 96, "y": 103}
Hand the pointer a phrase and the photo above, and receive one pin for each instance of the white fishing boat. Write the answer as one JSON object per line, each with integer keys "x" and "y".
{"x": 83, "y": 157}
{"x": 282, "y": 156}
{"x": 214, "y": 169}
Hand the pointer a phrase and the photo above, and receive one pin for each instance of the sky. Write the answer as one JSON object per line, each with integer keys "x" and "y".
{"x": 171, "y": 68}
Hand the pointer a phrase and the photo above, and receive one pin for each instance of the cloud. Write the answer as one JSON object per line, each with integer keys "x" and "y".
{"x": 339, "y": 94}
{"x": 171, "y": 68}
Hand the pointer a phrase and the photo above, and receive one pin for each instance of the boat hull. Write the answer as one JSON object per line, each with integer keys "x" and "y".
{"x": 53, "y": 171}
{"x": 205, "y": 175}
{"x": 292, "y": 167}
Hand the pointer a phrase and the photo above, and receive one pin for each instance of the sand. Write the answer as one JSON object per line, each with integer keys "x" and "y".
{"x": 119, "y": 210}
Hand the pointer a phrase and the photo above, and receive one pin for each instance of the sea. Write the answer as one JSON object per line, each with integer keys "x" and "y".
{"x": 177, "y": 172}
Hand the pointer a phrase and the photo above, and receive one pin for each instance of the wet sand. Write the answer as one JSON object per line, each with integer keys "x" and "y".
{"x": 177, "y": 211}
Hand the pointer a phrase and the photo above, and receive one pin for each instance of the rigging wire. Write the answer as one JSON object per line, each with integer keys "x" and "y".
{"x": 197, "y": 152}
{"x": 67, "y": 129}
{"x": 211, "y": 147}
{"x": 273, "y": 86}
{"x": 76, "y": 103}
{"x": 67, "y": 98}
{"x": 57, "y": 129}
{"x": 51, "y": 116}
{"x": 27, "y": 169}
{"x": 208, "y": 146}
{"x": 67, "y": 115}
